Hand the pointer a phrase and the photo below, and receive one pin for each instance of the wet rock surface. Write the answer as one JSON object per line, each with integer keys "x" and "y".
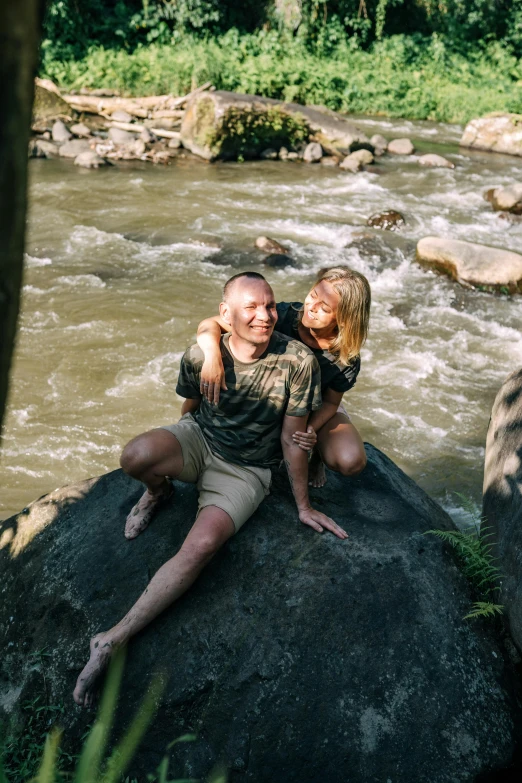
{"x": 401, "y": 147}
{"x": 496, "y": 132}
{"x": 489, "y": 268}
{"x": 435, "y": 161}
{"x": 389, "y": 220}
{"x": 269, "y": 245}
{"x": 502, "y": 502}
{"x": 295, "y": 657}
{"x": 507, "y": 199}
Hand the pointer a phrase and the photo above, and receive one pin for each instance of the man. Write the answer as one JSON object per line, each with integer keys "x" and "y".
{"x": 227, "y": 450}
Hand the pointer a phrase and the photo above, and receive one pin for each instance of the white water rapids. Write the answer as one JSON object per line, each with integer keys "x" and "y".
{"x": 123, "y": 263}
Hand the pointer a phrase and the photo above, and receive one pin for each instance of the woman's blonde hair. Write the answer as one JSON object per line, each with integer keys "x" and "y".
{"x": 353, "y": 310}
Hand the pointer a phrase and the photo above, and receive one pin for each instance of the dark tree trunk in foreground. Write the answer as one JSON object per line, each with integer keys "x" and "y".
{"x": 20, "y": 29}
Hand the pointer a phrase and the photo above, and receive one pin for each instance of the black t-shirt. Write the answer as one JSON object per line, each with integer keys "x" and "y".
{"x": 334, "y": 374}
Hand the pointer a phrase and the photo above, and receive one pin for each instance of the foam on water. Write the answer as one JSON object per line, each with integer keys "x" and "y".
{"x": 161, "y": 371}
{"x": 33, "y": 261}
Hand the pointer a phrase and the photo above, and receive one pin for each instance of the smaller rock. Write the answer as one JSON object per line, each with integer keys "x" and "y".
{"x": 89, "y": 160}
{"x": 174, "y": 144}
{"x": 508, "y": 199}
{"x": 401, "y": 147}
{"x": 119, "y": 136}
{"x": 121, "y": 116}
{"x": 283, "y": 153}
{"x": 365, "y": 156}
{"x": 329, "y": 160}
{"x": 488, "y": 194}
{"x": 389, "y": 220}
{"x": 278, "y": 261}
{"x": 292, "y": 156}
{"x": 60, "y": 133}
{"x": 46, "y": 136}
{"x": 435, "y": 161}
{"x": 268, "y": 245}
{"x": 34, "y": 150}
{"x": 47, "y": 148}
{"x": 351, "y": 164}
{"x": 79, "y": 129}
{"x": 71, "y": 149}
{"x": 380, "y": 144}
{"x": 139, "y": 148}
{"x": 149, "y": 137}
{"x": 313, "y": 152}
{"x": 269, "y": 154}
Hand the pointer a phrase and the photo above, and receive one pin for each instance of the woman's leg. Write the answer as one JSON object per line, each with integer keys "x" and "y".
{"x": 340, "y": 447}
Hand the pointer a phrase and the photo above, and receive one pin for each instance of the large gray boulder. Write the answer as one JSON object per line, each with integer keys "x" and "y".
{"x": 296, "y": 657}
{"x": 226, "y": 125}
{"x": 496, "y": 132}
{"x": 502, "y": 502}
{"x": 488, "y": 268}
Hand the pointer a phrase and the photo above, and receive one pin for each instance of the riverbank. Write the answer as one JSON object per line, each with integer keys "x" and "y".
{"x": 402, "y": 76}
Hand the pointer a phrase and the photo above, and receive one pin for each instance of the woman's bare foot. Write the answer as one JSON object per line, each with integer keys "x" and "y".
{"x": 87, "y": 684}
{"x": 141, "y": 515}
{"x": 316, "y": 472}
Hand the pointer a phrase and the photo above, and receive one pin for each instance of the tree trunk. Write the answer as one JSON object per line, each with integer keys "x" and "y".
{"x": 20, "y": 30}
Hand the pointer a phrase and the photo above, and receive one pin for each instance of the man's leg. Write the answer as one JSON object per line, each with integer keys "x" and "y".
{"x": 150, "y": 458}
{"x": 340, "y": 446}
{"x": 208, "y": 534}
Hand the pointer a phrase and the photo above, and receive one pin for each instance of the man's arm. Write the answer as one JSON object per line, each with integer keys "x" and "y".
{"x": 296, "y": 461}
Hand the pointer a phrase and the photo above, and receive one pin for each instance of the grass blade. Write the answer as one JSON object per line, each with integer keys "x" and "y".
{"x": 47, "y": 771}
{"x": 123, "y": 753}
{"x": 95, "y": 744}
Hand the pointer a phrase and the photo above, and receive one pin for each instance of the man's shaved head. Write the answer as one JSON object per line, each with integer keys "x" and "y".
{"x": 229, "y": 285}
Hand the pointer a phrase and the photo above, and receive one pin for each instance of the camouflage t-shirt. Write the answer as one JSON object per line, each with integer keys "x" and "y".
{"x": 245, "y": 427}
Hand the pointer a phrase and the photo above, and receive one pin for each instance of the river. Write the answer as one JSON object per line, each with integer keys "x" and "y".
{"x": 122, "y": 264}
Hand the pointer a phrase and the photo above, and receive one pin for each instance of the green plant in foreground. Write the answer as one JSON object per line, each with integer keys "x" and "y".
{"x": 92, "y": 766}
{"x": 474, "y": 552}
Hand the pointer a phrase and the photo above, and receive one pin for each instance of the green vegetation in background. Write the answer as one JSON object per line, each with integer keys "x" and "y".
{"x": 400, "y": 76}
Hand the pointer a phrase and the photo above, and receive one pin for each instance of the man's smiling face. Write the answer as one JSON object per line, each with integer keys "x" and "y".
{"x": 250, "y": 309}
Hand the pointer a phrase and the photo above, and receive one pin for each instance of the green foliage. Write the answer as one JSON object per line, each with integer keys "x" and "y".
{"x": 400, "y": 76}
{"x": 474, "y": 551}
{"x": 244, "y": 134}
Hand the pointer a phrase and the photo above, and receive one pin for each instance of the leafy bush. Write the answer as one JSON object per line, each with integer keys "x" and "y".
{"x": 400, "y": 76}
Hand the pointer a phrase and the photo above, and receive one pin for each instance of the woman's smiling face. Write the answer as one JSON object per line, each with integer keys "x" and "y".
{"x": 320, "y": 307}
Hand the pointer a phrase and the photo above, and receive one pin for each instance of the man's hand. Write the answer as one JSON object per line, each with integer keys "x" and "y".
{"x": 212, "y": 378}
{"x": 319, "y": 521}
{"x": 306, "y": 440}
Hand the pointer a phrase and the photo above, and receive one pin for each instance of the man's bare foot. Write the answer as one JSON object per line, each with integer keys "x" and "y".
{"x": 316, "y": 472}
{"x": 141, "y": 515}
{"x": 87, "y": 684}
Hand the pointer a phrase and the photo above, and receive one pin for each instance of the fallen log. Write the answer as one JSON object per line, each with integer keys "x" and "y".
{"x": 135, "y": 127}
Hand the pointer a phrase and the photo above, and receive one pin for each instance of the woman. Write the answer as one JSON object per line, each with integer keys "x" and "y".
{"x": 333, "y": 323}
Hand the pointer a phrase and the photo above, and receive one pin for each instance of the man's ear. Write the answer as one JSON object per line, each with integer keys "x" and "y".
{"x": 224, "y": 311}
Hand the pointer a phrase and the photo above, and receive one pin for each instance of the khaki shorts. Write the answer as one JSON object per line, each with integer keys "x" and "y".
{"x": 237, "y": 489}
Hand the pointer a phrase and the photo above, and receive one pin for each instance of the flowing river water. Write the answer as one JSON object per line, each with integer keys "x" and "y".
{"x": 122, "y": 264}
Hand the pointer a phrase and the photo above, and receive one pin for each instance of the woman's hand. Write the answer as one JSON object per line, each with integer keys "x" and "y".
{"x": 212, "y": 379}
{"x": 306, "y": 440}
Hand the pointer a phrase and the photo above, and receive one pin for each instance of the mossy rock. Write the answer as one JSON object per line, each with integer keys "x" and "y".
{"x": 230, "y": 126}
{"x": 48, "y": 105}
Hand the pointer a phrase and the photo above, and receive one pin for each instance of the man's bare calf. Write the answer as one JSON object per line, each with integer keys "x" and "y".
{"x": 150, "y": 458}
{"x": 208, "y": 534}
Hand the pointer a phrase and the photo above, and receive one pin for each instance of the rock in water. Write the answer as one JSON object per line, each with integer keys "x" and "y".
{"x": 60, "y": 132}
{"x": 389, "y": 220}
{"x": 401, "y": 147}
{"x": 295, "y": 657}
{"x": 496, "y": 132}
{"x": 278, "y": 260}
{"x": 507, "y": 199}
{"x": 71, "y": 149}
{"x": 225, "y": 124}
{"x": 313, "y": 152}
{"x": 502, "y": 503}
{"x": 435, "y": 161}
{"x": 268, "y": 245}
{"x": 490, "y": 268}
{"x": 380, "y": 144}
{"x": 90, "y": 160}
